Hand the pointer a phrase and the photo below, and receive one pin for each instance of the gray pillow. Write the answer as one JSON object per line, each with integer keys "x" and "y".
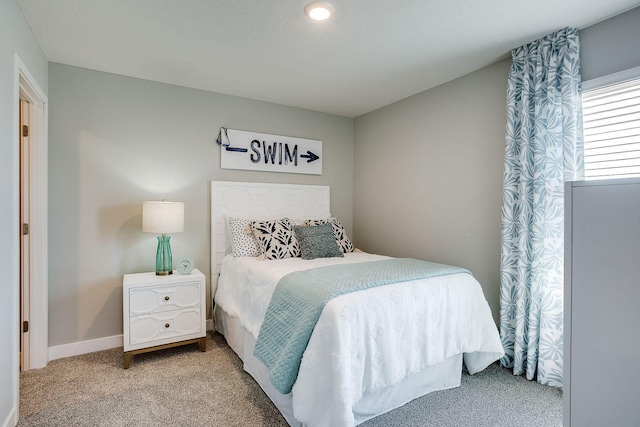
{"x": 317, "y": 241}
{"x": 338, "y": 230}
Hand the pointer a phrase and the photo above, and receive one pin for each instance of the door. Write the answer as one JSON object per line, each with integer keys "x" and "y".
{"x": 25, "y": 287}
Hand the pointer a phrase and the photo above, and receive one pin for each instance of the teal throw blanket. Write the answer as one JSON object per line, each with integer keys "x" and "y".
{"x": 300, "y": 296}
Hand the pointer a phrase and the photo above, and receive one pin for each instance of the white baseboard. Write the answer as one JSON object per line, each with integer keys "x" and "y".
{"x": 12, "y": 418}
{"x": 83, "y": 347}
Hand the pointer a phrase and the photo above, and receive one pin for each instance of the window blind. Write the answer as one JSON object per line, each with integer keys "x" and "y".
{"x": 611, "y": 119}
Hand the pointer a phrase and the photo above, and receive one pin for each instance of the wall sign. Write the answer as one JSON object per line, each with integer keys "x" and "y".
{"x": 269, "y": 153}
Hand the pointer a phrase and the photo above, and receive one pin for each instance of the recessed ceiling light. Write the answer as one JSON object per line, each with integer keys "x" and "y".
{"x": 319, "y": 10}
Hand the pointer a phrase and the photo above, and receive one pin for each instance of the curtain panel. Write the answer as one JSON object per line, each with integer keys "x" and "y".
{"x": 544, "y": 148}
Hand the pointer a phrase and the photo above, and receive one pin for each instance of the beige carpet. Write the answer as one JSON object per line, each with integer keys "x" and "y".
{"x": 175, "y": 387}
{"x": 184, "y": 387}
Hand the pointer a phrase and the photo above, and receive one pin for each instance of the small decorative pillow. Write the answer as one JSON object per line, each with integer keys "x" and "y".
{"x": 297, "y": 221}
{"x": 317, "y": 241}
{"x": 275, "y": 238}
{"x": 243, "y": 243}
{"x": 338, "y": 231}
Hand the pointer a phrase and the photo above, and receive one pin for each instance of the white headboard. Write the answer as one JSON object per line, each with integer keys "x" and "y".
{"x": 260, "y": 200}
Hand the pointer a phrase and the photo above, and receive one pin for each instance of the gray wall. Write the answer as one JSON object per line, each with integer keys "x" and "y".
{"x": 435, "y": 161}
{"x": 611, "y": 46}
{"x": 117, "y": 141}
{"x": 428, "y": 176}
{"x": 15, "y": 36}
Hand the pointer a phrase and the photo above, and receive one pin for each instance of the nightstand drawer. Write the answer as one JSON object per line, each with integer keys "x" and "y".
{"x": 154, "y": 329}
{"x": 158, "y": 299}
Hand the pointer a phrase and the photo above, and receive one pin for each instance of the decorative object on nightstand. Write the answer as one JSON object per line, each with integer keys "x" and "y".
{"x": 162, "y": 311}
{"x": 185, "y": 266}
{"x": 163, "y": 218}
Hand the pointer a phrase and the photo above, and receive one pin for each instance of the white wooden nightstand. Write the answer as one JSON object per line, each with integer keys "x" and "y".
{"x": 163, "y": 311}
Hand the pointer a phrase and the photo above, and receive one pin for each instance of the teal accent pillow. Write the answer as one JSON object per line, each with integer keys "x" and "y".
{"x": 317, "y": 241}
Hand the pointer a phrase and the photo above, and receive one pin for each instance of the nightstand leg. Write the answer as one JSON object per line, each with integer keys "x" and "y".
{"x": 127, "y": 360}
{"x": 203, "y": 344}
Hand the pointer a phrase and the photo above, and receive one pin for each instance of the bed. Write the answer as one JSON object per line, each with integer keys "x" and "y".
{"x": 372, "y": 350}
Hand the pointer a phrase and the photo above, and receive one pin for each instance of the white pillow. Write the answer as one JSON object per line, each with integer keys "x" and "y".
{"x": 243, "y": 242}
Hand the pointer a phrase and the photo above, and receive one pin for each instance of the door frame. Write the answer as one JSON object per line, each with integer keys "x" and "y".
{"x": 25, "y": 86}
{"x": 25, "y": 285}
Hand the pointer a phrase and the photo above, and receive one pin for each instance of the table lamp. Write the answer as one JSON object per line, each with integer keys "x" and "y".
{"x": 163, "y": 218}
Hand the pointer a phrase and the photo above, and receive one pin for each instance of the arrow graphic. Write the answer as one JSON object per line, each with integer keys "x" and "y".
{"x": 237, "y": 149}
{"x": 310, "y": 156}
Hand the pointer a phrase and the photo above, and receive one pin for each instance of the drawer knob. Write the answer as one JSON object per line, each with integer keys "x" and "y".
{"x": 166, "y": 298}
{"x": 166, "y": 325}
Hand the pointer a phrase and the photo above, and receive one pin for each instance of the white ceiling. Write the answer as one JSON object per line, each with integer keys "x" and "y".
{"x": 370, "y": 54}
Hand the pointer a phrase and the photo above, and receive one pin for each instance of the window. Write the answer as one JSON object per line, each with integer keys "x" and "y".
{"x": 611, "y": 117}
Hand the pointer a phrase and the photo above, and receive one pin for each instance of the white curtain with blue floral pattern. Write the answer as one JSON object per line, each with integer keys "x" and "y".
{"x": 544, "y": 148}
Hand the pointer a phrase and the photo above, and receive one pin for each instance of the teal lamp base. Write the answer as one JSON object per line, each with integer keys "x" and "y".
{"x": 164, "y": 264}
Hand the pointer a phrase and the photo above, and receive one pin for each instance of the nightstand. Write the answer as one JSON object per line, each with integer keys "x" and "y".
{"x": 163, "y": 311}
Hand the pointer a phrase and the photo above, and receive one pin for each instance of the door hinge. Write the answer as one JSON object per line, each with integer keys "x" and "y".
{"x": 25, "y": 229}
{"x": 25, "y": 326}
{"x": 25, "y": 130}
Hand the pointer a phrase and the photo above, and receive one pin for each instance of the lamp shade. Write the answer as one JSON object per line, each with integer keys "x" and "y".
{"x": 162, "y": 217}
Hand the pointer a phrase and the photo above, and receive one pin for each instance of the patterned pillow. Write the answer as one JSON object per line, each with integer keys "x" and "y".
{"x": 317, "y": 241}
{"x": 275, "y": 238}
{"x": 297, "y": 221}
{"x": 338, "y": 231}
{"x": 243, "y": 243}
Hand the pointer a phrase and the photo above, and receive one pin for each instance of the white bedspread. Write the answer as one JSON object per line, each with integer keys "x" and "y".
{"x": 368, "y": 340}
